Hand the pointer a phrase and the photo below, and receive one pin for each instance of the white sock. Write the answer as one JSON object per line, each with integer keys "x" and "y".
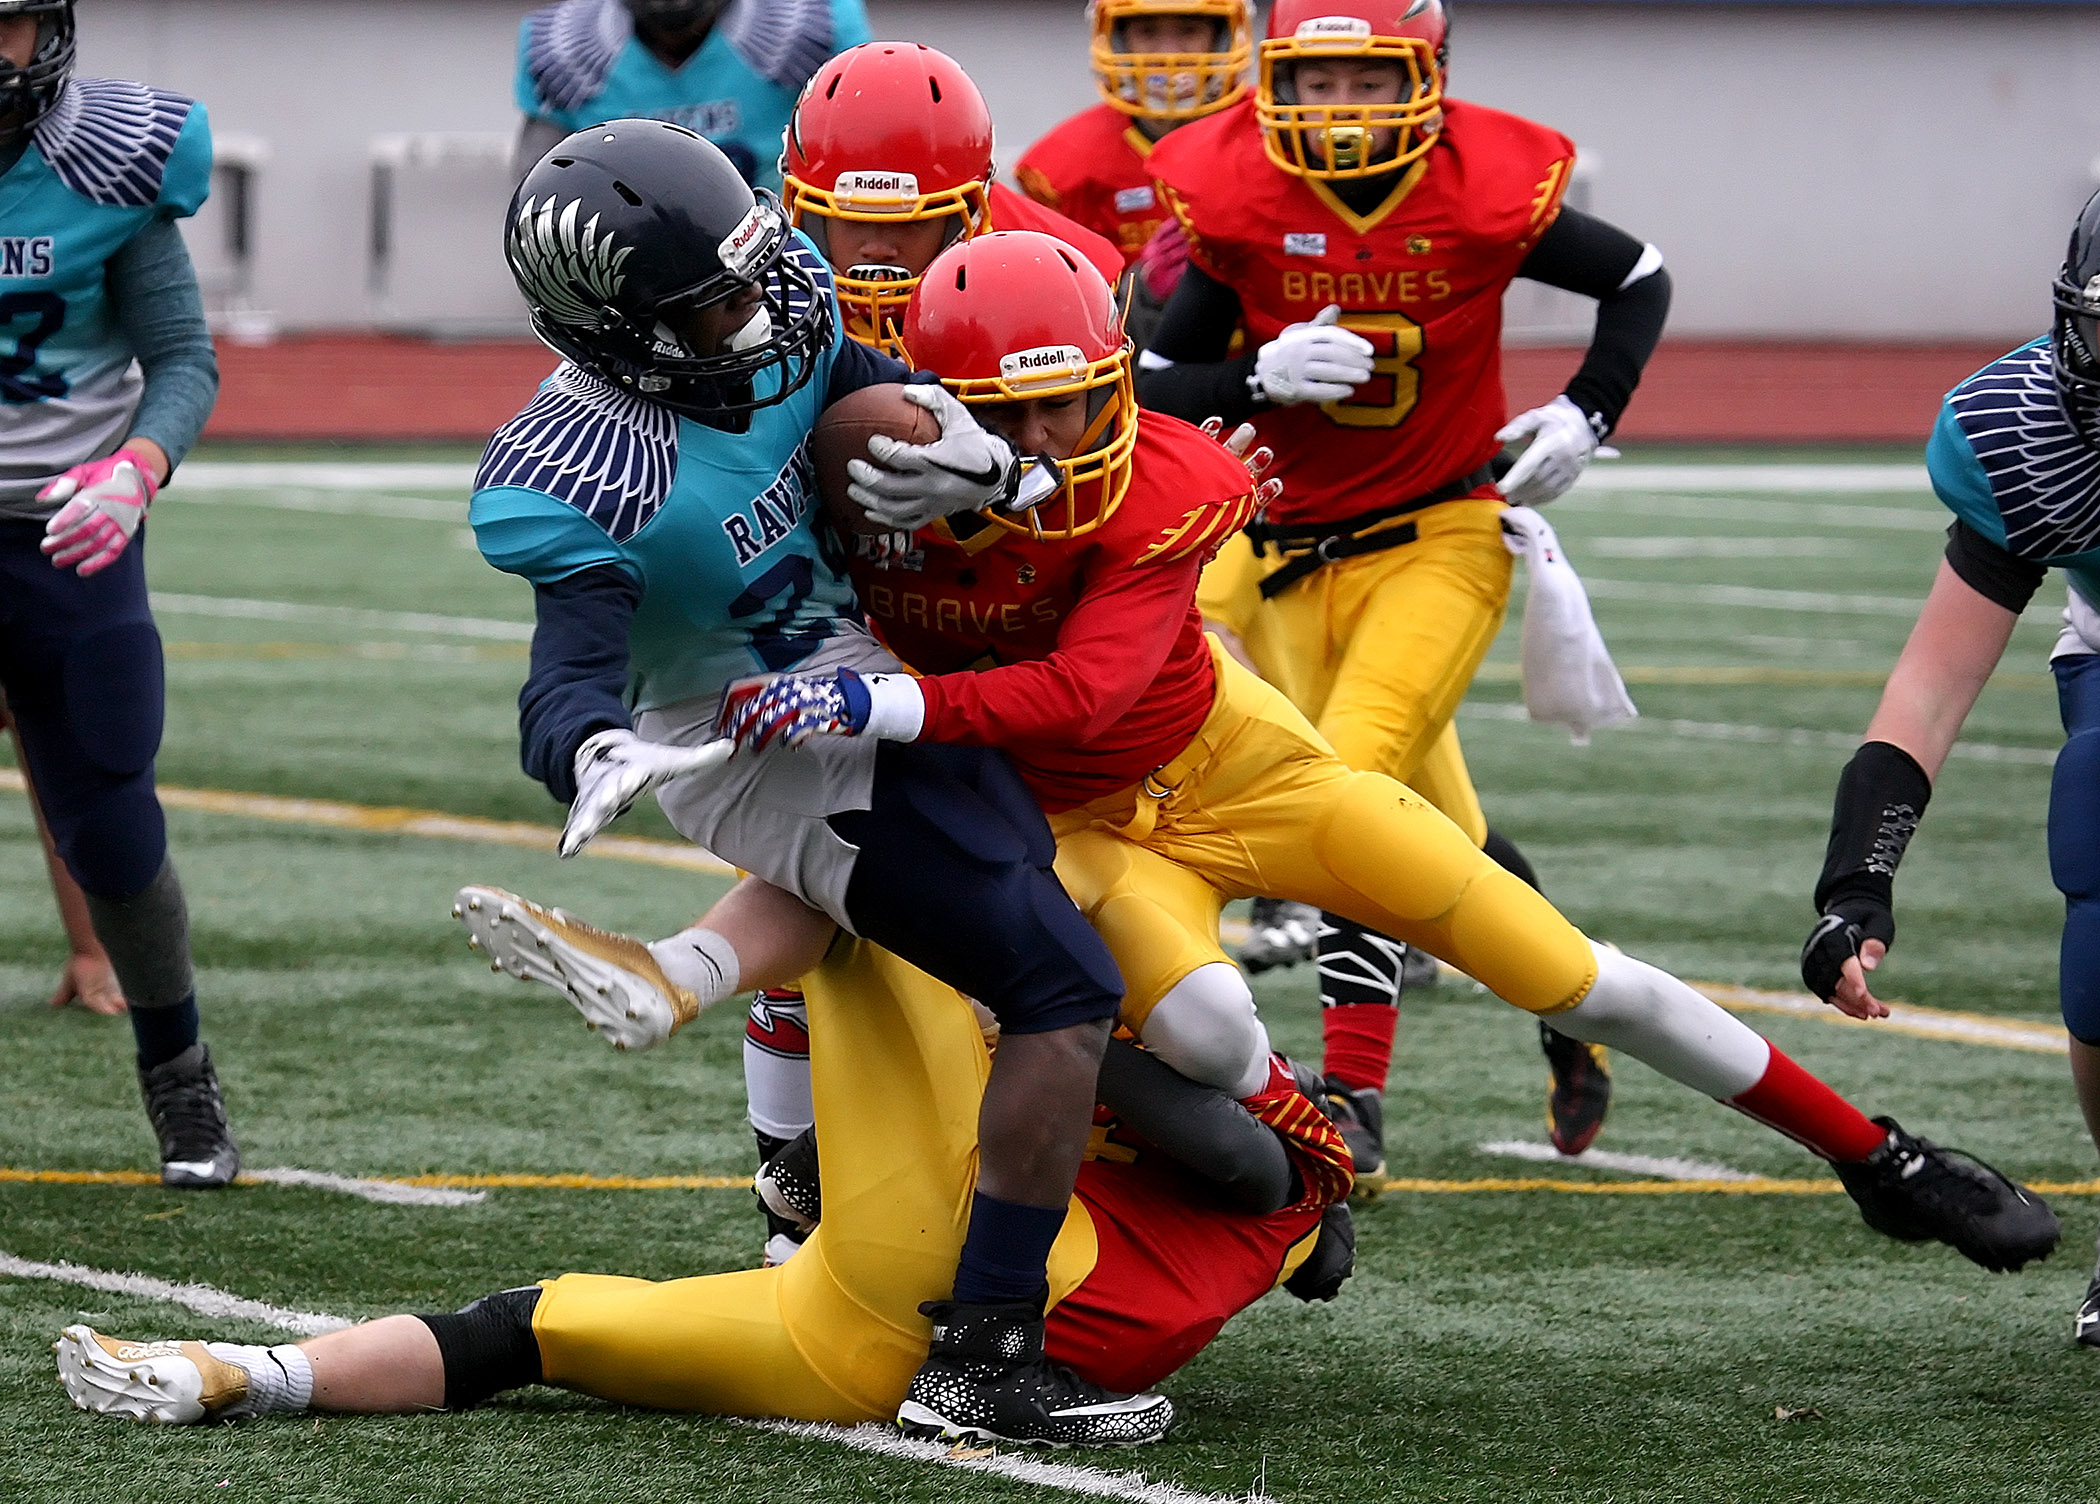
{"x": 1645, "y": 1012}
{"x": 776, "y": 1068}
{"x": 280, "y": 1380}
{"x": 701, "y": 961}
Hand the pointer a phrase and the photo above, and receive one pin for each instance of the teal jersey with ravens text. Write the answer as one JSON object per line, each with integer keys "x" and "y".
{"x": 2005, "y": 458}
{"x": 110, "y": 159}
{"x": 580, "y": 64}
{"x": 717, "y": 528}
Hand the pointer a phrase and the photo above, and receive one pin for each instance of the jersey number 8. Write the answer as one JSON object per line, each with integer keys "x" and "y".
{"x": 19, "y": 379}
{"x": 1395, "y": 385}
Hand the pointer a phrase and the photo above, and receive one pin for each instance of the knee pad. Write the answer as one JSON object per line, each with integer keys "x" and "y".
{"x": 488, "y": 1346}
{"x": 1380, "y": 838}
{"x": 2074, "y": 818}
{"x": 114, "y": 839}
{"x": 1205, "y": 1027}
{"x": 1645, "y": 1012}
{"x": 116, "y": 696}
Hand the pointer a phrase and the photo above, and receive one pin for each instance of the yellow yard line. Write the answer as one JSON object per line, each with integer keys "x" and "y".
{"x": 1753, "y": 673}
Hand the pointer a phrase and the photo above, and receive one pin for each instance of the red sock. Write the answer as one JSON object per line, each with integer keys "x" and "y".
{"x": 1788, "y": 1098}
{"x": 1359, "y": 1041}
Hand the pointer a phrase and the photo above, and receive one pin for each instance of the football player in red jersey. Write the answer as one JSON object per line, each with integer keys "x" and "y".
{"x": 1158, "y": 64}
{"x": 1360, "y": 228}
{"x": 887, "y": 162}
{"x": 1175, "y": 780}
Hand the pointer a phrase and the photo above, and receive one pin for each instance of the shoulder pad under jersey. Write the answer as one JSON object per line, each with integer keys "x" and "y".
{"x": 1201, "y": 530}
{"x": 610, "y": 456}
{"x": 570, "y": 49}
{"x": 2044, "y": 477}
{"x": 1184, "y": 466}
{"x": 109, "y": 140}
{"x": 783, "y": 41}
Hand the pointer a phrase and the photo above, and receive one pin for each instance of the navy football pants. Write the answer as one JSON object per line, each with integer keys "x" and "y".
{"x": 80, "y": 663}
{"x": 2074, "y": 841}
{"x": 954, "y": 876}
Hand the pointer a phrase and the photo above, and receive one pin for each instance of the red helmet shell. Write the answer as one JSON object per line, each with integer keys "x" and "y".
{"x": 986, "y": 305}
{"x": 895, "y": 108}
{"x": 1425, "y": 19}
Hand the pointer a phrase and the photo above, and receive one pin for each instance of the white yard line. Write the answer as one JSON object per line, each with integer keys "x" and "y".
{"x": 1097, "y": 1483}
{"x": 1766, "y": 479}
{"x": 205, "y": 1300}
{"x": 1653, "y": 1166}
{"x": 1791, "y": 515}
{"x": 332, "y": 503}
{"x": 341, "y": 616}
{"x": 455, "y": 477}
{"x": 1783, "y": 736}
{"x": 386, "y": 1192}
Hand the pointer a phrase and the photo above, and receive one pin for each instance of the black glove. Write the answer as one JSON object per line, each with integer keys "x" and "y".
{"x": 1881, "y": 796}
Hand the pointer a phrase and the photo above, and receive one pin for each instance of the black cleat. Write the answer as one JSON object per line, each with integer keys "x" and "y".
{"x": 1358, "y": 1114}
{"x": 986, "y": 1379}
{"x": 2085, "y": 1326}
{"x": 1578, "y": 1090}
{"x": 1912, "y": 1189}
{"x": 1279, "y": 933}
{"x": 197, "y": 1151}
{"x": 788, "y": 1187}
{"x": 1332, "y": 1260}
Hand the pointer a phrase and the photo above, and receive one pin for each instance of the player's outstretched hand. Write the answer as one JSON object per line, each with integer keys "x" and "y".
{"x": 966, "y": 469}
{"x": 1562, "y": 445}
{"x": 105, "y": 500}
{"x": 91, "y": 982}
{"x": 795, "y": 707}
{"x": 1313, "y": 362}
{"x": 615, "y": 768}
{"x": 1240, "y": 445}
{"x": 1845, "y": 945}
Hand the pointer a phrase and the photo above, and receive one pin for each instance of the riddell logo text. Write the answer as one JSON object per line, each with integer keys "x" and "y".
{"x": 1366, "y": 289}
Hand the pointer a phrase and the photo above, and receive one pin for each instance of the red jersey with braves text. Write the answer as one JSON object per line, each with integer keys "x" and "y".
{"x": 1016, "y": 211}
{"x": 1422, "y": 278}
{"x": 1094, "y": 667}
{"x": 1094, "y": 167}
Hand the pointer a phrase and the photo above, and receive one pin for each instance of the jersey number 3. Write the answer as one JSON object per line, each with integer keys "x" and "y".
{"x": 1395, "y": 385}
{"x": 20, "y": 381}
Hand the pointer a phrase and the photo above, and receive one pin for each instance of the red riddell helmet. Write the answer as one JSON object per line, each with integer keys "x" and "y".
{"x": 1336, "y": 141}
{"x": 1017, "y": 315}
{"x": 886, "y": 131}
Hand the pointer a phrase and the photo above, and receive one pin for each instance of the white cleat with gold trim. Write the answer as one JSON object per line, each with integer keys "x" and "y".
{"x": 612, "y": 979}
{"x": 167, "y": 1383}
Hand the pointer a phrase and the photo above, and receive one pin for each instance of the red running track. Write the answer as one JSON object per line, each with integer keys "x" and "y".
{"x": 378, "y": 388}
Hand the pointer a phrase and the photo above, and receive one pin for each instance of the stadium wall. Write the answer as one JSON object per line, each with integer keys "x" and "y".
{"x": 1885, "y": 172}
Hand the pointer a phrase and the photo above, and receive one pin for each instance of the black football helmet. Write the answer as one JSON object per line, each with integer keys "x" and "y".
{"x": 28, "y": 94}
{"x": 2074, "y": 349}
{"x": 624, "y": 227}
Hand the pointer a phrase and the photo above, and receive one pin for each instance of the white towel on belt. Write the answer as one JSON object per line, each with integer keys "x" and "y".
{"x": 1569, "y": 678}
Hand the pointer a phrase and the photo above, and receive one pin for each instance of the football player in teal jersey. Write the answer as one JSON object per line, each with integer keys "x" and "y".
{"x": 729, "y": 69}
{"x": 106, "y": 379}
{"x": 2015, "y": 456}
{"x": 659, "y": 495}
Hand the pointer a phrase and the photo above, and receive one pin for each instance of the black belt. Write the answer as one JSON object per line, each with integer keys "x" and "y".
{"x": 1306, "y": 548}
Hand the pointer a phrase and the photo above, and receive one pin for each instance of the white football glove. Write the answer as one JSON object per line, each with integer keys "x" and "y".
{"x": 1562, "y": 444}
{"x": 615, "y": 768}
{"x": 1315, "y": 362}
{"x": 965, "y": 470}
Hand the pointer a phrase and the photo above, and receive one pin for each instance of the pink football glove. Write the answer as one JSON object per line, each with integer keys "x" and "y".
{"x": 105, "y": 500}
{"x": 1163, "y": 260}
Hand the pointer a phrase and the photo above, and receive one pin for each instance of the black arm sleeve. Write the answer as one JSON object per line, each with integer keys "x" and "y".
{"x": 1198, "y": 1127}
{"x": 858, "y": 366}
{"x": 2001, "y": 577}
{"x": 1195, "y": 333}
{"x": 578, "y": 679}
{"x": 1580, "y": 253}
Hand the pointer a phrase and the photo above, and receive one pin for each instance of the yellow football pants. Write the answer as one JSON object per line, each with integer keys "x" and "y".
{"x": 898, "y": 1067}
{"x": 1259, "y": 804}
{"x": 1378, "y": 650}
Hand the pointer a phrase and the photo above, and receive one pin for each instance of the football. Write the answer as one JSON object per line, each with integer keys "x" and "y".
{"x": 842, "y": 434}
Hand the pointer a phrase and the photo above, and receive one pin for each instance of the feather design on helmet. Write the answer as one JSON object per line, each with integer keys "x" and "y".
{"x": 569, "y": 271}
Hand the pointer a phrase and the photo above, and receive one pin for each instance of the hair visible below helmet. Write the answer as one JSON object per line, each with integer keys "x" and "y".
{"x": 676, "y": 13}
{"x": 1171, "y": 85}
{"x": 886, "y": 131}
{"x": 1017, "y": 315}
{"x": 2074, "y": 344}
{"x": 629, "y": 225}
{"x": 1335, "y": 141}
{"x": 30, "y": 93}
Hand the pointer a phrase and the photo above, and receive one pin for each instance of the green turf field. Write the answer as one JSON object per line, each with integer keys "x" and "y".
{"x": 1495, "y": 1345}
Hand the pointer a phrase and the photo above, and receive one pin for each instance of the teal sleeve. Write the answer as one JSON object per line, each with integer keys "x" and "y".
{"x": 526, "y": 89}
{"x": 849, "y": 24}
{"x": 153, "y": 290}
{"x": 186, "y": 181}
{"x": 531, "y": 534}
{"x": 1958, "y": 478}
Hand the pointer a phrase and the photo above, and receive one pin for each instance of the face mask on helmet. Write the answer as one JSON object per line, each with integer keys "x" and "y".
{"x": 2074, "y": 345}
{"x": 1309, "y": 99}
{"x": 879, "y": 233}
{"x": 1200, "y": 75}
{"x": 30, "y": 92}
